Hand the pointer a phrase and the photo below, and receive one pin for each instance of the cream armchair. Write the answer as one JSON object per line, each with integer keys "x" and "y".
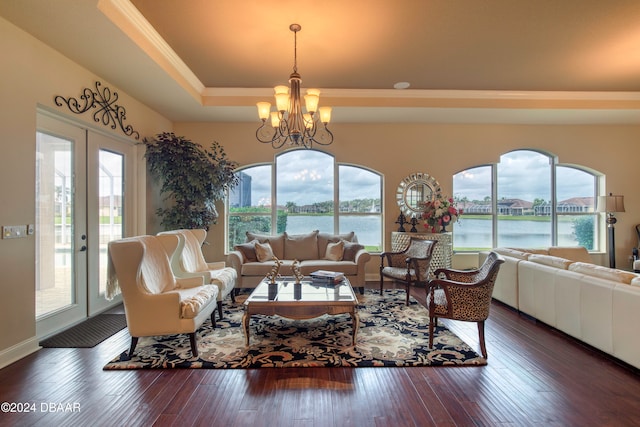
{"x": 187, "y": 261}
{"x": 155, "y": 302}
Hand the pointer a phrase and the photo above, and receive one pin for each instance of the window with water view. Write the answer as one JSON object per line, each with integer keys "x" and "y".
{"x": 530, "y": 202}
{"x": 305, "y": 190}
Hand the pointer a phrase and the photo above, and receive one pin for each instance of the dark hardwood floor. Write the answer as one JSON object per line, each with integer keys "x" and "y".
{"x": 535, "y": 376}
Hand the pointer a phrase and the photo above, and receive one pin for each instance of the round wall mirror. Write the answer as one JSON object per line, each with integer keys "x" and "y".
{"x": 414, "y": 190}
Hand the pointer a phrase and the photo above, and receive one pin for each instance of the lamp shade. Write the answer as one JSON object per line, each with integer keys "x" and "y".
{"x": 282, "y": 101}
{"x": 263, "y": 110}
{"x": 610, "y": 203}
{"x": 311, "y": 102}
{"x": 325, "y": 114}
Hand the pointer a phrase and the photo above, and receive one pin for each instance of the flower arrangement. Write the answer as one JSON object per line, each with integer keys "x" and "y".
{"x": 440, "y": 212}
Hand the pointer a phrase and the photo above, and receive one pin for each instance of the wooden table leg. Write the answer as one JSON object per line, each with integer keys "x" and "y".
{"x": 245, "y": 326}
{"x": 356, "y": 325}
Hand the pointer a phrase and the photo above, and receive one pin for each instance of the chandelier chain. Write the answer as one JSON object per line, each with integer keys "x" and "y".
{"x": 295, "y": 51}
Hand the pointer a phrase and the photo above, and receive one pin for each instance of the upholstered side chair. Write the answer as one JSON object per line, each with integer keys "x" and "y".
{"x": 155, "y": 302}
{"x": 188, "y": 261}
{"x": 463, "y": 295}
{"x": 410, "y": 266}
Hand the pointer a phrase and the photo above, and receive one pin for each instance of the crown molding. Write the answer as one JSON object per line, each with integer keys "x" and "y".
{"x": 437, "y": 98}
{"x": 124, "y": 15}
{"x": 128, "y": 19}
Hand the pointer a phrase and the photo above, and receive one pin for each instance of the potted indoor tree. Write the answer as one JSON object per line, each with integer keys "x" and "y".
{"x": 193, "y": 179}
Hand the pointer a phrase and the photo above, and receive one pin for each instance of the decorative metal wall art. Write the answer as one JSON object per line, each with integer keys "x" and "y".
{"x": 104, "y": 100}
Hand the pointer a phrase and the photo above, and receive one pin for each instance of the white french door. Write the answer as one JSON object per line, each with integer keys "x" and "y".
{"x": 110, "y": 208}
{"x": 84, "y": 199}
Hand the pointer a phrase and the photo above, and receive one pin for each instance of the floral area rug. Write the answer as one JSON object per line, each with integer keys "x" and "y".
{"x": 390, "y": 334}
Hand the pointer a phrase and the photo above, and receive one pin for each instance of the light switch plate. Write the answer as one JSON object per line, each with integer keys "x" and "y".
{"x": 14, "y": 231}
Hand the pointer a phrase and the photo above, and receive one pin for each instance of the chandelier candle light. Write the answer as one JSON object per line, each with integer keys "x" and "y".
{"x": 289, "y": 125}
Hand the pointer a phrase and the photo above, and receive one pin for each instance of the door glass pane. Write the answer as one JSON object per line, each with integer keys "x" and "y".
{"x": 55, "y": 279}
{"x": 110, "y": 200}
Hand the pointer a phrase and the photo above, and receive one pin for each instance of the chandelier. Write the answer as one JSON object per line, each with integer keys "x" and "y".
{"x": 288, "y": 124}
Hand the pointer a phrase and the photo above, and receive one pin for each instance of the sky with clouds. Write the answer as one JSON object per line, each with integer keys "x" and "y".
{"x": 524, "y": 175}
{"x": 306, "y": 177}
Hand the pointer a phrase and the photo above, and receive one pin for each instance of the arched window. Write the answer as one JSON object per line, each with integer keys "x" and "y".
{"x": 305, "y": 190}
{"x": 526, "y": 200}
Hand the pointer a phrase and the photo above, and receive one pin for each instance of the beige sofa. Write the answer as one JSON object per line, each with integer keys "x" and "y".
{"x": 253, "y": 260}
{"x": 561, "y": 287}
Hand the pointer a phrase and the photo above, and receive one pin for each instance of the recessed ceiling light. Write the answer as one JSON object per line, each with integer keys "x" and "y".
{"x": 401, "y": 85}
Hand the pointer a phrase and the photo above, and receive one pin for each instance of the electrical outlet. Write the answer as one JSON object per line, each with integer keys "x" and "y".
{"x": 14, "y": 231}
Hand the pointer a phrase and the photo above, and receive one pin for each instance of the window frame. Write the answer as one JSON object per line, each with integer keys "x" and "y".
{"x": 554, "y": 214}
{"x": 337, "y": 214}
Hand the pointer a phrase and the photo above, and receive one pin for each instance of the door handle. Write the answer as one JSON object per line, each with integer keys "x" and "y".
{"x": 83, "y": 248}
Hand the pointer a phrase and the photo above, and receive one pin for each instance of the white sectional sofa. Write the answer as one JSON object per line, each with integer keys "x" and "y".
{"x": 562, "y": 288}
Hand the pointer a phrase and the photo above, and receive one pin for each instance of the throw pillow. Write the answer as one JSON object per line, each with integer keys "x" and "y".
{"x": 276, "y": 242}
{"x": 301, "y": 246}
{"x": 335, "y": 251}
{"x": 326, "y": 238}
{"x": 264, "y": 252}
{"x": 248, "y": 251}
{"x": 350, "y": 250}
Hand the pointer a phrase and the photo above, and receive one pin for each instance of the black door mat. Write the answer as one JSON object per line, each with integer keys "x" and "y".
{"x": 89, "y": 333}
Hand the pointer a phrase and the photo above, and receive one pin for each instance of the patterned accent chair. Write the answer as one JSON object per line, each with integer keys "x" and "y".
{"x": 410, "y": 266}
{"x": 463, "y": 295}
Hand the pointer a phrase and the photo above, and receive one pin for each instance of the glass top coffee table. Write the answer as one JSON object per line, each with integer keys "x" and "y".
{"x": 304, "y": 300}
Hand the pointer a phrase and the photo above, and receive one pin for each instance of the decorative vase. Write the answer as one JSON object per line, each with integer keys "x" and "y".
{"x": 444, "y": 227}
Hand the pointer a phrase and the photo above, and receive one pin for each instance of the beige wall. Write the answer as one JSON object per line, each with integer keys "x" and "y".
{"x": 396, "y": 150}
{"x": 31, "y": 74}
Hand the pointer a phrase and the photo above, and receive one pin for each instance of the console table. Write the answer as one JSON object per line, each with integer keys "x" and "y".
{"x": 442, "y": 254}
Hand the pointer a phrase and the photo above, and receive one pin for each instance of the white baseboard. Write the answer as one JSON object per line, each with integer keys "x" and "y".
{"x": 372, "y": 277}
{"x": 18, "y": 351}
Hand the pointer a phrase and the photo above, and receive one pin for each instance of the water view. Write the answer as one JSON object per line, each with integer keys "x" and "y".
{"x": 470, "y": 233}
{"x": 367, "y": 228}
{"x": 474, "y": 233}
